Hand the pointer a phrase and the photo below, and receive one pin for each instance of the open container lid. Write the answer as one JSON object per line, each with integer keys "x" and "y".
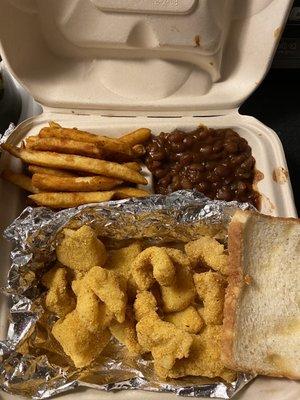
{"x": 141, "y": 57}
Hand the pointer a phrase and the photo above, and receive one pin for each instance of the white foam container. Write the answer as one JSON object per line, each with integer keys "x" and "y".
{"x": 113, "y": 66}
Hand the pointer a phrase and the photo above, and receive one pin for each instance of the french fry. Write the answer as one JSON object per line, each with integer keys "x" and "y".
{"x": 109, "y": 145}
{"x": 36, "y": 169}
{"x": 74, "y": 162}
{"x": 124, "y": 192}
{"x": 20, "y": 180}
{"x": 66, "y": 146}
{"x": 139, "y": 150}
{"x": 54, "y": 124}
{"x": 66, "y": 200}
{"x": 136, "y": 137}
{"x": 133, "y": 165}
{"x": 73, "y": 184}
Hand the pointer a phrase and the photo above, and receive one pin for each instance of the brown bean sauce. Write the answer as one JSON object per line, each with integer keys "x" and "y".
{"x": 216, "y": 162}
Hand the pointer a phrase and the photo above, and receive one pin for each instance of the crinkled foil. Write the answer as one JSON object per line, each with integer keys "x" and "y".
{"x": 30, "y": 363}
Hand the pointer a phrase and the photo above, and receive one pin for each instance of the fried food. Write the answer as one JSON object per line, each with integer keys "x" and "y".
{"x": 66, "y": 146}
{"x": 92, "y": 312}
{"x": 110, "y": 287}
{"x": 136, "y": 166}
{"x": 141, "y": 135}
{"x": 125, "y": 192}
{"x": 153, "y": 264}
{"x": 20, "y": 180}
{"x": 80, "y": 344}
{"x": 74, "y": 184}
{"x": 209, "y": 252}
{"x": 210, "y": 287}
{"x": 36, "y": 169}
{"x": 74, "y": 162}
{"x": 125, "y": 333}
{"x": 81, "y": 250}
{"x": 204, "y": 358}
{"x": 66, "y": 200}
{"x": 188, "y": 320}
{"x": 144, "y": 305}
{"x": 59, "y": 298}
{"x": 110, "y": 146}
{"x": 181, "y": 293}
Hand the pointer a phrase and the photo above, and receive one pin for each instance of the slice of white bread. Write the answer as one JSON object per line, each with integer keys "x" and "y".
{"x": 262, "y": 304}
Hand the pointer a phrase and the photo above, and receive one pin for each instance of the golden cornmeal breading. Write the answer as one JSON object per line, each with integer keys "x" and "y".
{"x": 59, "y": 298}
{"x": 110, "y": 287}
{"x": 81, "y": 250}
{"x": 209, "y": 252}
{"x": 189, "y": 319}
{"x": 165, "y": 341}
{"x": 90, "y": 309}
{"x": 153, "y": 264}
{"x": 204, "y": 358}
{"x": 210, "y": 287}
{"x": 79, "y": 343}
{"x": 181, "y": 293}
{"x": 144, "y": 304}
{"x": 126, "y": 334}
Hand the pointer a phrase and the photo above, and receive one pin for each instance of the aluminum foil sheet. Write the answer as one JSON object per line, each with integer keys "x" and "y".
{"x": 30, "y": 362}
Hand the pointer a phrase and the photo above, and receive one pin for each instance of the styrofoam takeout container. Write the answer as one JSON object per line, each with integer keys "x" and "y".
{"x": 113, "y": 66}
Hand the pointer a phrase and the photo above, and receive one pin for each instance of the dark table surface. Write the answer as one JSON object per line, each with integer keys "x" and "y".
{"x": 276, "y": 103}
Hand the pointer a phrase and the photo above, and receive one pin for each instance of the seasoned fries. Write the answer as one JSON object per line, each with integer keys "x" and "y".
{"x": 66, "y": 146}
{"x": 20, "y": 180}
{"x": 71, "y": 167}
{"x": 73, "y": 162}
{"x": 74, "y": 184}
{"x": 136, "y": 137}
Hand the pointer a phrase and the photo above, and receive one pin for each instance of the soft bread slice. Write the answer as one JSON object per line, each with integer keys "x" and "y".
{"x": 262, "y": 304}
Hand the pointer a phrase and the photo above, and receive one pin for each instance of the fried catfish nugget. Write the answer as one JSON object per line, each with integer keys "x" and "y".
{"x": 59, "y": 298}
{"x": 79, "y": 343}
{"x": 204, "y": 358}
{"x": 189, "y": 319}
{"x": 110, "y": 287}
{"x": 164, "y": 340}
{"x": 126, "y": 334}
{"x": 81, "y": 250}
{"x": 90, "y": 309}
{"x": 210, "y": 287}
{"x": 121, "y": 261}
{"x": 153, "y": 264}
{"x": 209, "y": 252}
{"x": 181, "y": 293}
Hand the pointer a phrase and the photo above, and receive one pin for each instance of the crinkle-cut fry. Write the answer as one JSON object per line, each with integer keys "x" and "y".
{"x": 188, "y": 319}
{"x": 70, "y": 199}
{"x": 91, "y": 311}
{"x": 73, "y": 184}
{"x": 74, "y": 162}
{"x": 66, "y": 146}
{"x": 125, "y": 192}
{"x": 110, "y": 287}
{"x": 138, "y": 136}
{"x": 20, "y": 180}
{"x": 208, "y": 251}
{"x": 36, "y": 169}
{"x": 144, "y": 305}
{"x": 182, "y": 293}
{"x": 81, "y": 250}
{"x": 108, "y": 144}
{"x": 125, "y": 333}
{"x": 210, "y": 287}
{"x": 153, "y": 264}
{"x": 79, "y": 343}
{"x": 59, "y": 298}
{"x": 204, "y": 358}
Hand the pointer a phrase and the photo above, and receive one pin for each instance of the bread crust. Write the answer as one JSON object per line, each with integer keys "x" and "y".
{"x": 234, "y": 290}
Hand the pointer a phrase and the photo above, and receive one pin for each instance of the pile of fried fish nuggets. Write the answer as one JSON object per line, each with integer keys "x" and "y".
{"x": 159, "y": 300}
